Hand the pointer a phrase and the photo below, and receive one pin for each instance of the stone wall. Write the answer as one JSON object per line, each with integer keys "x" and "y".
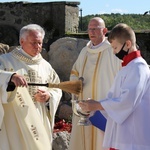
{"x": 143, "y": 41}
{"x": 57, "y": 18}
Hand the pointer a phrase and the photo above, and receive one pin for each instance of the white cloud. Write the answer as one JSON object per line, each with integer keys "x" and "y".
{"x": 114, "y": 11}
{"x": 119, "y": 11}
{"x": 104, "y": 12}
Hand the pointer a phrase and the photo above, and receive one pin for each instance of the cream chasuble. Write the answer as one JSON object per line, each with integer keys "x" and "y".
{"x": 27, "y": 124}
{"x": 98, "y": 67}
{"x": 24, "y": 122}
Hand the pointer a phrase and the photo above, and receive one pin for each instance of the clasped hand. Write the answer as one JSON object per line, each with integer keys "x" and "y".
{"x": 42, "y": 96}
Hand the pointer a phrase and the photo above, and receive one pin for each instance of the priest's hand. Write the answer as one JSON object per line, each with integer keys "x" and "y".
{"x": 90, "y": 105}
{"x": 19, "y": 80}
{"x": 42, "y": 96}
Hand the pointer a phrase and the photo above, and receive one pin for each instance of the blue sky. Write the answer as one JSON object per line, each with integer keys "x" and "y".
{"x": 105, "y": 6}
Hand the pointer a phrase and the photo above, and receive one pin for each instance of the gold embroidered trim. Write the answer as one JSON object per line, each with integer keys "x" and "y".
{"x": 73, "y": 72}
{"x": 20, "y": 56}
{"x": 94, "y": 77}
{"x": 19, "y": 97}
{"x": 83, "y": 72}
{"x": 34, "y": 132}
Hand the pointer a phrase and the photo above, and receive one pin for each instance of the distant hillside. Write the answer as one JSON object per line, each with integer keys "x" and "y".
{"x": 137, "y": 21}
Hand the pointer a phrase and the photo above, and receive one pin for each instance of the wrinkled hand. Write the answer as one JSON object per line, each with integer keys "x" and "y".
{"x": 42, "y": 96}
{"x": 19, "y": 80}
{"x": 90, "y": 105}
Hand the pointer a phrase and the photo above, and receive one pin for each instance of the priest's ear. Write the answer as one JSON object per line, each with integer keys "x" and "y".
{"x": 105, "y": 30}
{"x": 21, "y": 41}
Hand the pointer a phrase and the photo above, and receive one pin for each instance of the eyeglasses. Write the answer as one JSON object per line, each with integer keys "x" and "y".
{"x": 94, "y": 29}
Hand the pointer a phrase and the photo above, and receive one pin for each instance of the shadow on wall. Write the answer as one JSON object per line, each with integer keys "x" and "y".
{"x": 9, "y": 35}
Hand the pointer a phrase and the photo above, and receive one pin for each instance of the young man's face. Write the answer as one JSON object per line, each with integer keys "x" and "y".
{"x": 117, "y": 46}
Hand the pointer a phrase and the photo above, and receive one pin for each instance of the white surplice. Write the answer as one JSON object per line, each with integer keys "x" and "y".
{"x": 128, "y": 108}
{"x": 98, "y": 67}
{"x": 35, "y": 122}
{"x": 6, "y": 77}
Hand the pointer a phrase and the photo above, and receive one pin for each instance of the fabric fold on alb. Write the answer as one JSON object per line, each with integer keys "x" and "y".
{"x": 1, "y": 114}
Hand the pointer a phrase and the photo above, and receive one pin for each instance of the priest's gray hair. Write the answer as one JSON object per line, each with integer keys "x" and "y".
{"x": 31, "y": 27}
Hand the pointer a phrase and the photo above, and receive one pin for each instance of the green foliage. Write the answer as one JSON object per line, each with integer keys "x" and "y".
{"x": 136, "y": 21}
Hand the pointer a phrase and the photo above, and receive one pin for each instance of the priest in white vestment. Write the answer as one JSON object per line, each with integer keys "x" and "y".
{"x": 27, "y": 122}
{"x": 98, "y": 66}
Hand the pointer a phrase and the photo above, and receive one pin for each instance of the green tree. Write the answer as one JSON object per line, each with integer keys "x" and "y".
{"x": 136, "y": 21}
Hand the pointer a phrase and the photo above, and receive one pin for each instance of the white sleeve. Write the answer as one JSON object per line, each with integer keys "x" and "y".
{"x": 130, "y": 87}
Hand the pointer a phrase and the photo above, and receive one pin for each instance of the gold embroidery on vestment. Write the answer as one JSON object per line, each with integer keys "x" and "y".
{"x": 34, "y": 132}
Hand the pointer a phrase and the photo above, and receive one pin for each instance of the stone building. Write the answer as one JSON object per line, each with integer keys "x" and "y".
{"x": 57, "y": 18}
